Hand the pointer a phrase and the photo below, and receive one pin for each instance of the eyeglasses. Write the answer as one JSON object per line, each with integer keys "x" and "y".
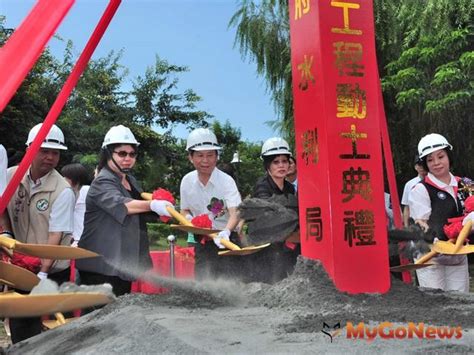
{"x": 123, "y": 154}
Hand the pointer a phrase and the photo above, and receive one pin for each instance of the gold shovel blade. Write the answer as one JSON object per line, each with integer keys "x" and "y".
{"x": 46, "y": 251}
{"x": 244, "y": 251}
{"x": 195, "y": 230}
{"x": 442, "y": 247}
{"x": 409, "y": 267}
{"x": 17, "y": 277}
{"x": 16, "y": 305}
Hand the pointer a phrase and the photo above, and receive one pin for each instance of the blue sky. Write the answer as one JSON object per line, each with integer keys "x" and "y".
{"x": 192, "y": 33}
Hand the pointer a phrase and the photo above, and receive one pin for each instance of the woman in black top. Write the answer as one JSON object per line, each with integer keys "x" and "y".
{"x": 278, "y": 260}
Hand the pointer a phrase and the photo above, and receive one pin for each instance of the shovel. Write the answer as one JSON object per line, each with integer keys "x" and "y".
{"x": 46, "y": 251}
{"x": 16, "y": 305}
{"x": 455, "y": 248}
{"x": 443, "y": 247}
{"x": 233, "y": 248}
{"x": 17, "y": 277}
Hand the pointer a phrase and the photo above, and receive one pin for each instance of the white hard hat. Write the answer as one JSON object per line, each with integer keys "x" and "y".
{"x": 54, "y": 139}
{"x": 202, "y": 139}
{"x": 431, "y": 143}
{"x": 275, "y": 146}
{"x": 119, "y": 135}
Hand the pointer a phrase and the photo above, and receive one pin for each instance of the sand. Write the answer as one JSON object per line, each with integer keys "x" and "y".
{"x": 227, "y": 317}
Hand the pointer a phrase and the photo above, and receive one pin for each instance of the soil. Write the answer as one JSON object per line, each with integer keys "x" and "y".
{"x": 288, "y": 317}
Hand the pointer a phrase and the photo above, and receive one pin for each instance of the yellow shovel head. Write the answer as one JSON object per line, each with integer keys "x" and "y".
{"x": 16, "y": 305}
{"x": 46, "y": 251}
{"x": 195, "y": 230}
{"x": 409, "y": 267}
{"x": 443, "y": 247}
{"x": 243, "y": 251}
{"x": 17, "y": 277}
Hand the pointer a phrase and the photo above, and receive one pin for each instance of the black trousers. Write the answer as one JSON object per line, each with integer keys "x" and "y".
{"x": 24, "y": 328}
{"x": 209, "y": 265}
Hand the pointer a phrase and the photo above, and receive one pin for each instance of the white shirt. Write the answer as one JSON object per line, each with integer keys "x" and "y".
{"x": 79, "y": 211}
{"x": 419, "y": 199}
{"x": 3, "y": 169}
{"x": 213, "y": 199}
{"x": 61, "y": 218}
{"x": 408, "y": 187}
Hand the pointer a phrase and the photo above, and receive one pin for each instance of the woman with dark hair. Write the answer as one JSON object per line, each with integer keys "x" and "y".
{"x": 276, "y": 262}
{"x": 78, "y": 177}
{"x": 114, "y": 224}
{"x": 432, "y": 202}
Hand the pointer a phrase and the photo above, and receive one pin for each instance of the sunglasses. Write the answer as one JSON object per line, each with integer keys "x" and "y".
{"x": 123, "y": 154}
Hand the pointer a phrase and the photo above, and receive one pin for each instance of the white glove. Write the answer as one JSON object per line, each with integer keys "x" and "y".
{"x": 225, "y": 234}
{"x": 189, "y": 217}
{"x": 469, "y": 217}
{"x": 42, "y": 275}
{"x": 159, "y": 207}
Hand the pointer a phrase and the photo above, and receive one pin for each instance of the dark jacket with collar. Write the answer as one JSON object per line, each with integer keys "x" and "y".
{"x": 121, "y": 239}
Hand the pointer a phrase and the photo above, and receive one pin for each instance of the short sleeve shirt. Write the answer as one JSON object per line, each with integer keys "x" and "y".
{"x": 408, "y": 187}
{"x": 61, "y": 218}
{"x": 214, "y": 199}
{"x": 419, "y": 199}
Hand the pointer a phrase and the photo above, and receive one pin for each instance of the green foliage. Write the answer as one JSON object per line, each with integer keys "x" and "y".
{"x": 159, "y": 232}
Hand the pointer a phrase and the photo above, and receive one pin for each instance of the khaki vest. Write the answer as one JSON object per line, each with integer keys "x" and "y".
{"x": 29, "y": 214}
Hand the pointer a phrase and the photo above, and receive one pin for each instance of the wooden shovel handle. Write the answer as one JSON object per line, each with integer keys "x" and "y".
{"x": 425, "y": 258}
{"x": 465, "y": 231}
{"x": 7, "y": 242}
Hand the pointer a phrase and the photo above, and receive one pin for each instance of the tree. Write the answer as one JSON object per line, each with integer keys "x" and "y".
{"x": 263, "y": 37}
{"x": 99, "y": 102}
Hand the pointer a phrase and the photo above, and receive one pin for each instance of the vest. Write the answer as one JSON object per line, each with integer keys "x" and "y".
{"x": 29, "y": 213}
{"x": 443, "y": 206}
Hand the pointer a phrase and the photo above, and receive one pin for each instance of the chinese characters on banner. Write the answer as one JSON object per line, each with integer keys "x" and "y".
{"x": 338, "y": 143}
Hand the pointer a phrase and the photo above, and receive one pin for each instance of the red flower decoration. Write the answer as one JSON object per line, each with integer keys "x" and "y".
{"x": 30, "y": 263}
{"x": 452, "y": 230}
{"x": 469, "y": 204}
{"x": 162, "y": 194}
{"x": 202, "y": 221}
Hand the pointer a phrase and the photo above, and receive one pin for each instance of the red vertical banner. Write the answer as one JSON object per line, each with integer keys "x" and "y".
{"x": 340, "y": 175}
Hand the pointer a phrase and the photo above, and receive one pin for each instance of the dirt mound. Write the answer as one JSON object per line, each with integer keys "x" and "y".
{"x": 310, "y": 295}
{"x": 228, "y": 317}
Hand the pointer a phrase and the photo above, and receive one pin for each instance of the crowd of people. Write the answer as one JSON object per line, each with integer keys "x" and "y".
{"x": 107, "y": 214}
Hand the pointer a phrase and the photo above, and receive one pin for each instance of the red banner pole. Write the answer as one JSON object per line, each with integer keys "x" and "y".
{"x": 60, "y": 101}
{"x": 26, "y": 44}
{"x": 340, "y": 167}
{"x": 392, "y": 182}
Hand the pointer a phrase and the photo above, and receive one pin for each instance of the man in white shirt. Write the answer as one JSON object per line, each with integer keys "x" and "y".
{"x": 208, "y": 190}
{"x": 409, "y": 186}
